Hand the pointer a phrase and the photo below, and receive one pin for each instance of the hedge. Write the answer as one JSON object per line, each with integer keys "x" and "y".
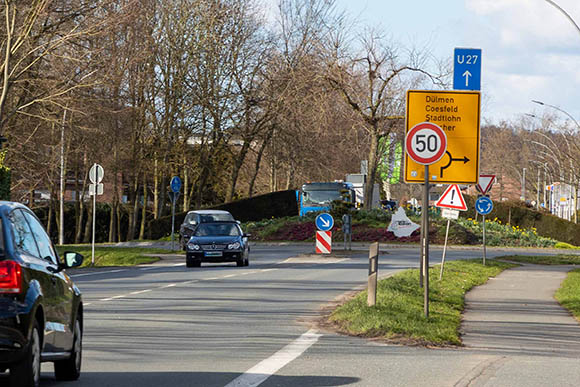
{"x": 516, "y": 213}
{"x": 271, "y": 205}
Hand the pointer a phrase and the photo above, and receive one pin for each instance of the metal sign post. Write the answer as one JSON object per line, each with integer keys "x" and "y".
{"x": 425, "y": 144}
{"x": 483, "y": 216}
{"x": 448, "y": 214}
{"x": 483, "y": 206}
{"x": 347, "y": 230}
{"x": 451, "y": 202}
{"x": 175, "y": 187}
{"x": 425, "y": 242}
{"x": 96, "y": 174}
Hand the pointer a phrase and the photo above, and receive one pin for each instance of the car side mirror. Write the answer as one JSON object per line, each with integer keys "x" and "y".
{"x": 72, "y": 259}
{"x": 246, "y": 235}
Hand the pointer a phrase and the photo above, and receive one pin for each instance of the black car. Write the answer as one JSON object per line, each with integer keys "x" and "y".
{"x": 194, "y": 218}
{"x": 218, "y": 242}
{"x": 41, "y": 311}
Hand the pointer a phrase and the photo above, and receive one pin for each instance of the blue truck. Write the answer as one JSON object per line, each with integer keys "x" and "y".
{"x": 313, "y": 197}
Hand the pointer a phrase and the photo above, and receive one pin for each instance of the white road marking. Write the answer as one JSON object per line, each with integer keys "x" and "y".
{"x": 181, "y": 283}
{"x": 268, "y": 367}
{"x": 141, "y": 291}
{"x": 97, "y": 272}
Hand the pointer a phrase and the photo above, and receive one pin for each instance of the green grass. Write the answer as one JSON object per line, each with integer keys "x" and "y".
{"x": 114, "y": 256}
{"x": 560, "y": 259}
{"x": 569, "y": 293}
{"x": 399, "y": 314}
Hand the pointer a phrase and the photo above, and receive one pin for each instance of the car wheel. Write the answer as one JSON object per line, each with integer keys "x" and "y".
{"x": 26, "y": 373}
{"x": 240, "y": 262}
{"x": 247, "y": 261}
{"x": 189, "y": 262}
{"x": 70, "y": 369}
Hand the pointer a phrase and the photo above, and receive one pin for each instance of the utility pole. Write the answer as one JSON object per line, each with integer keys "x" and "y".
{"x": 524, "y": 185}
{"x": 62, "y": 182}
{"x": 538, "y": 195}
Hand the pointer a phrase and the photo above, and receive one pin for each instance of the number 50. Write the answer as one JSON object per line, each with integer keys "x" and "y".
{"x": 429, "y": 142}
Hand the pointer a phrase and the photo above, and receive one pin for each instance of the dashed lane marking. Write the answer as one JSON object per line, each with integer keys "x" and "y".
{"x": 268, "y": 367}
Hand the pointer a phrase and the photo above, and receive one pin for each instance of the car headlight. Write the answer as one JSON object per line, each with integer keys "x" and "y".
{"x": 234, "y": 246}
{"x": 192, "y": 246}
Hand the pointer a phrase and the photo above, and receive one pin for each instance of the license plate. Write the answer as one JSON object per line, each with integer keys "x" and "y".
{"x": 213, "y": 253}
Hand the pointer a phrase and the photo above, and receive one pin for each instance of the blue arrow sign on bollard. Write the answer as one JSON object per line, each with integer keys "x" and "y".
{"x": 483, "y": 205}
{"x": 467, "y": 69}
{"x": 175, "y": 184}
{"x": 324, "y": 222}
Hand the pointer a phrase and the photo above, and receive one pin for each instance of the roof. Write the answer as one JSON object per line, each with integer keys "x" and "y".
{"x": 208, "y": 212}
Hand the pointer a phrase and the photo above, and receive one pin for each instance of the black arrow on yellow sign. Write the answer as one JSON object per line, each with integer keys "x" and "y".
{"x": 451, "y": 159}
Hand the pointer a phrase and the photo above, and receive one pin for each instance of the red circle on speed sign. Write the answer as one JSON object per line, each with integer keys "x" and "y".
{"x": 426, "y": 143}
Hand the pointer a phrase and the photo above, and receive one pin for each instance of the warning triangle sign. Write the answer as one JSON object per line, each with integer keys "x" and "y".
{"x": 485, "y": 182}
{"x": 452, "y": 198}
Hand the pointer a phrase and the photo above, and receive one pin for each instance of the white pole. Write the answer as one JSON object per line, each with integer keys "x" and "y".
{"x": 483, "y": 217}
{"x": 62, "y": 185}
{"x": 94, "y": 211}
{"x": 444, "y": 250}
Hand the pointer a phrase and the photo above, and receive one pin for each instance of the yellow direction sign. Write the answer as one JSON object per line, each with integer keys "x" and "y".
{"x": 457, "y": 113}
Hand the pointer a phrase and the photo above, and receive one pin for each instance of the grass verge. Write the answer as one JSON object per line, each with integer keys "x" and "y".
{"x": 114, "y": 256}
{"x": 398, "y": 314}
{"x": 569, "y": 293}
{"x": 560, "y": 259}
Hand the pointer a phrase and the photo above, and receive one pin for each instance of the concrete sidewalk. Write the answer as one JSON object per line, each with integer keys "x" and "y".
{"x": 516, "y": 313}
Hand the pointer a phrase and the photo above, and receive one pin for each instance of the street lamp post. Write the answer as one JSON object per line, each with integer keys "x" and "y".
{"x": 573, "y": 195}
{"x": 524, "y": 185}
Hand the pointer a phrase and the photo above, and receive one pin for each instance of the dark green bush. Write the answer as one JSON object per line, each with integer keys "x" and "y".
{"x": 271, "y": 205}
{"x": 516, "y": 213}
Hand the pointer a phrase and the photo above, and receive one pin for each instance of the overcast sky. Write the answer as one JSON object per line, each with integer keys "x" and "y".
{"x": 530, "y": 49}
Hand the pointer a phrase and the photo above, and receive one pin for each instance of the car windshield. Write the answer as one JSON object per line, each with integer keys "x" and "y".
{"x": 217, "y": 229}
{"x": 210, "y": 218}
{"x": 216, "y": 218}
{"x": 321, "y": 197}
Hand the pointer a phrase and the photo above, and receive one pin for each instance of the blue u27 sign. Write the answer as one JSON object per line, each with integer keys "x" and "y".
{"x": 324, "y": 222}
{"x": 467, "y": 69}
{"x": 483, "y": 205}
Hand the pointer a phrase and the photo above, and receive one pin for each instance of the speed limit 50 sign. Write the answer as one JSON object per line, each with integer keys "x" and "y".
{"x": 426, "y": 143}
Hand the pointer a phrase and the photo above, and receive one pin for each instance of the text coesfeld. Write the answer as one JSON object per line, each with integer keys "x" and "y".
{"x": 448, "y": 106}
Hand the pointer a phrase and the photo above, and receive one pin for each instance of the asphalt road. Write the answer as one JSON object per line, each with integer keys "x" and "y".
{"x": 168, "y": 325}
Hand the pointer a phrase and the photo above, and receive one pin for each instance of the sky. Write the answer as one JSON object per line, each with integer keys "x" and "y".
{"x": 530, "y": 50}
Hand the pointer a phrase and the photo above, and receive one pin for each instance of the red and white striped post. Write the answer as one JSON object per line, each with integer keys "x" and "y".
{"x": 323, "y": 242}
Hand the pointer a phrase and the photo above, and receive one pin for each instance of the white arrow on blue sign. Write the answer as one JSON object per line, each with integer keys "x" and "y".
{"x": 483, "y": 205}
{"x": 467, "y": 69}
{"x": 175, "y": 184}
{"x": 324, "y": 222}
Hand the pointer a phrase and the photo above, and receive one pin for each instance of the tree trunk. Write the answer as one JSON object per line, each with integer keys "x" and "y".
{"x": 89, "y": 225}
{"x": 186, "y": 194}
{"x": 49, "y": 215}
{"x": 133, "y": 207}
{"x": 258, "y": 162}
{"x": 373, "y": 161}
{"x": 144, "y": 210}
{"x": 119, "y": 236}
{"x": 156, "y": 189}
{"x": 236, "y": 170}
